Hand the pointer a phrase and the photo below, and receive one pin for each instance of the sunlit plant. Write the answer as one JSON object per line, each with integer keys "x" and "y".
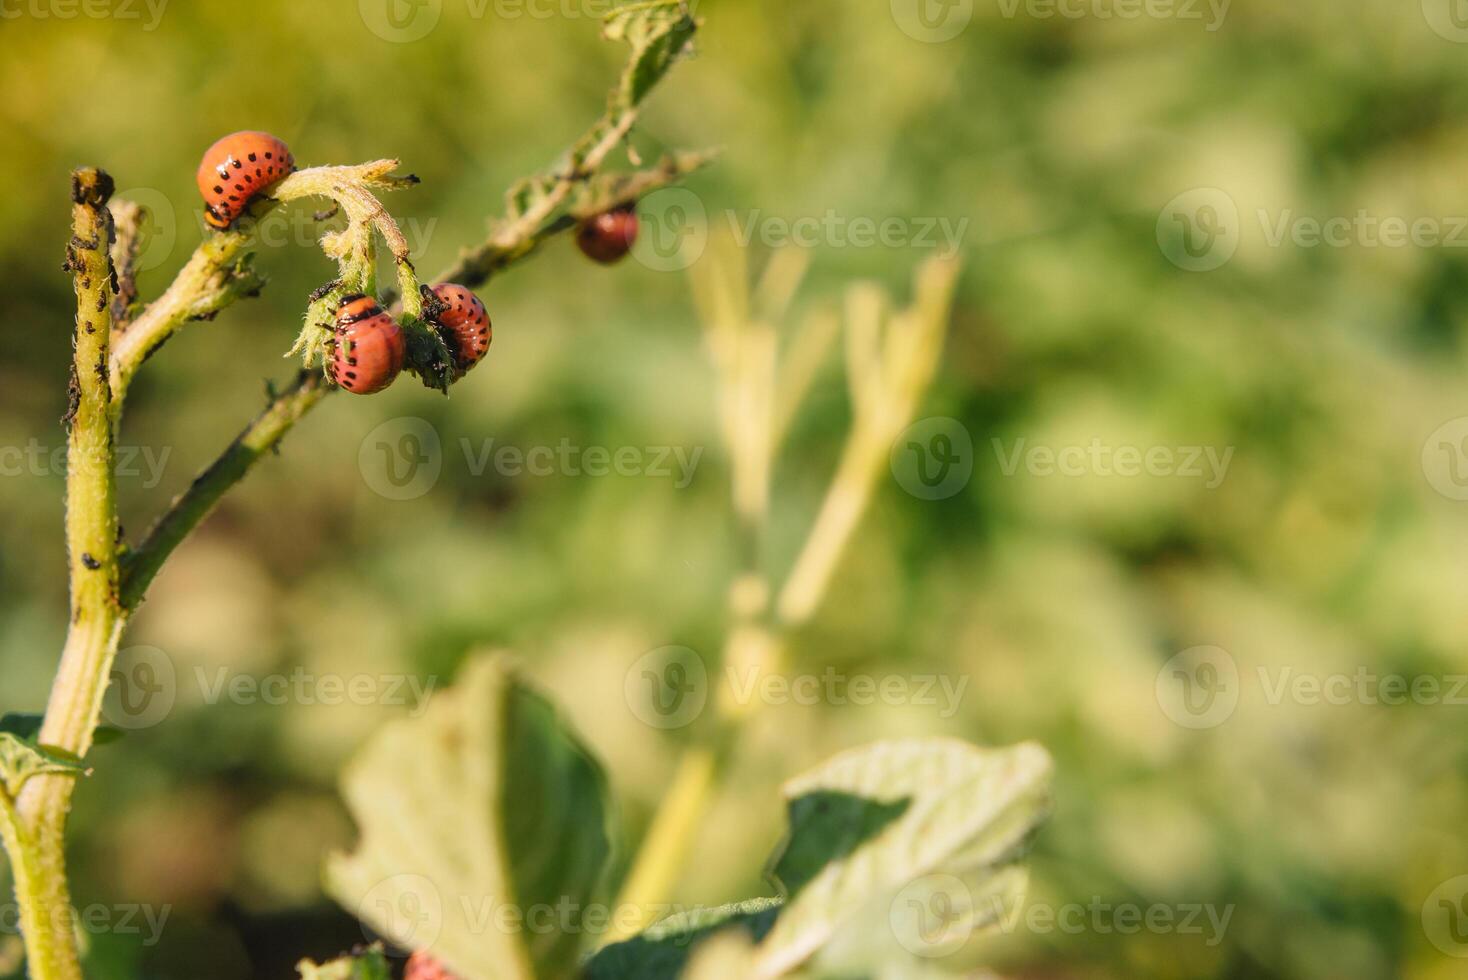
{"x": 488, "y": 794}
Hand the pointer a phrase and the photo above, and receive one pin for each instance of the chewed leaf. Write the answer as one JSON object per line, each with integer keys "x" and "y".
{"x": 660, "y": 32}
{"x": 367, "y": 964}
{"x": 882, "y": 834}
{"x": 20, "y": 759}
{"x": 483, "y": 831}
{"x": 896, "y": 854}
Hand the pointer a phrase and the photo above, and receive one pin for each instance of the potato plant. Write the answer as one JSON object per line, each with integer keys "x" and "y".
{"x": 488, "y": 795}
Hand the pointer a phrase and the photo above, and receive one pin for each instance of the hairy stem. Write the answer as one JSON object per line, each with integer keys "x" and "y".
{"x": 96, "y": 616}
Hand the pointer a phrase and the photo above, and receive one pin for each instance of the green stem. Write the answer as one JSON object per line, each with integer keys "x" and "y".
{"x": 668, "y": 840}
{"x": 36, "y": 894}
{"x": 259, "y": 438}
{"x": 37, "y": 825}
{"x": 104, "y": 588}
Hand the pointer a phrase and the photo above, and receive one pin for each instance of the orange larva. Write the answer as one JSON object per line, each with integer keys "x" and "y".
{"x": 237, "y": 168}
{"x": 609, "y": 236}
{"x": 464, "y": 326}
{"x": 368, "y": 347}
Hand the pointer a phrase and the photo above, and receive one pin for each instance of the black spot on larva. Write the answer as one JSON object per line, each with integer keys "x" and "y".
{"x": 219, "y": 190}
{"x": 237, "y": 165}
{"x": 253, "y": 158}
{"x": 239, "y": 187}
{"x": 268, "y": 155}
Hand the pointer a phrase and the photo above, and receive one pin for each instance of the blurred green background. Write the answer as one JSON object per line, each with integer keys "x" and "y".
{"x": 1096, "y": 304}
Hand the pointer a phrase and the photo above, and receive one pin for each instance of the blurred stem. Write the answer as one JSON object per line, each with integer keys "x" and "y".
{"x": 661, "y": 859}
{"x": 888, "y": 380}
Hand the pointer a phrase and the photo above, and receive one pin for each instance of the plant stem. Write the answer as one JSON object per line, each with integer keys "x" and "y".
{"x": 289, "y": 406}
{"x": 888, "y": 382}
{"x": 32, "y": 894}
{"x": 96, "y": 617}
{"x": 105, "y": 588}
{"x": 260, "y": 437}
{"x": 662, "y": 858}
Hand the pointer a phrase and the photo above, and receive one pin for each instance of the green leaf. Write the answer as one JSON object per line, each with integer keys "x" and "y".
{"x": 883, "y": 833}
{"x": 660, "y": 33}
{"x": 367, "y": 964}
{"x": 879, "y": 839}
{"x": 663, "y": 950}
{"x": 20, "y": 759}
{"x": 483, "y": 829}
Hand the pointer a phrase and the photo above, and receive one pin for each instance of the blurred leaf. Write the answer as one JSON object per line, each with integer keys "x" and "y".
{"x": 659, "y": 32}
{"x": 368, "y": 964}
{"x": 890, "y": 819}
{"x": 727, "y": 956}
{"x": 486, "y": 802}
{"x": 661, "y": 951}
{"x": 875, "y": 834}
